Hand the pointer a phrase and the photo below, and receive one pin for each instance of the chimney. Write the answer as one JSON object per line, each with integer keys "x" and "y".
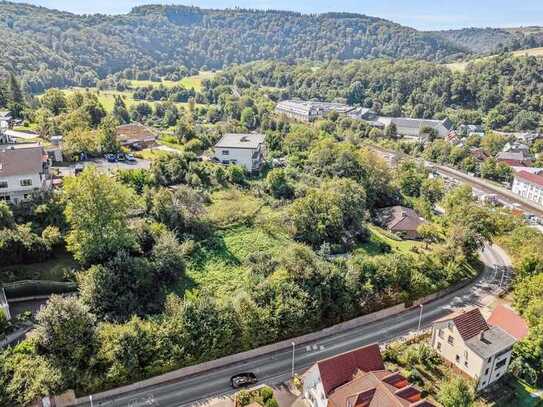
{"x": 482, "y": 336}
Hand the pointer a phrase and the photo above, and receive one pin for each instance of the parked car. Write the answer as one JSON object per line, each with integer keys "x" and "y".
{"x": 111, "y": 158}
{"x": 121, "y": 157}
{"x": 243, "y": 379}
{"x": 130, "y": 158}
{"x": 136, "y": 147}
{"x": 78, "y": 169}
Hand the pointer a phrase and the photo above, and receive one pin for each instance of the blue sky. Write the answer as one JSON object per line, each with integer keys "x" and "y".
{"x": 422, "y": 14}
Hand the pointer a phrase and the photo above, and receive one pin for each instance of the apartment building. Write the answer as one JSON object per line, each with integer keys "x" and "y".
{"x": 470, "y": 344}
{"x": 308, "y": 111}
{"x": 529, "y": 186}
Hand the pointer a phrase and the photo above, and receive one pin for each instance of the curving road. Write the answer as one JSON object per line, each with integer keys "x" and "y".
{"x": 276, "y": 367}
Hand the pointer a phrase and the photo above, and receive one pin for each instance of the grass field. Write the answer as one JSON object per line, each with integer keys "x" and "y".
{"x": 107, "y": 97}
{"x": 188, "y": 82}
{"x": 219, "y": 266}
{"x": 378, "y": 235}
{"x": 461, "y": 66}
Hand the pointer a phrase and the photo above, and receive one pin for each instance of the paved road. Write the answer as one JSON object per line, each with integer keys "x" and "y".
{"x": 276, "y": 367}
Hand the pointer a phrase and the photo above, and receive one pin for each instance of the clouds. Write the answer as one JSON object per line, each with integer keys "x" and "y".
{"x": 421, "y": 14}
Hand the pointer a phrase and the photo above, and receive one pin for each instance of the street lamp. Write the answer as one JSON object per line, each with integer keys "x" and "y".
{"x": 293, "y": 349}
{"x": 90, "y": 399}
{"x": 420, "y": 316}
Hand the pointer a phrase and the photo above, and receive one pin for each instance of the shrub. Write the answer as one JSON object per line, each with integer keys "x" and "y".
{"x": 272, "y": 403}
{"x": 266, "y": 393}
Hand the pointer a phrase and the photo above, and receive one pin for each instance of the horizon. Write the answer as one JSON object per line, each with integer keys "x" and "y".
{"x": 421, "y": 14}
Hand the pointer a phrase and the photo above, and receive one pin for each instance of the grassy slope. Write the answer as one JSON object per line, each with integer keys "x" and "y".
{"x": 461, "y": 66}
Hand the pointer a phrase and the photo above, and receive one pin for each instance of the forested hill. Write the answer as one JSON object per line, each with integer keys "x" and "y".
{"x": 51, "y": 48}
{"x": 494, "y": 40}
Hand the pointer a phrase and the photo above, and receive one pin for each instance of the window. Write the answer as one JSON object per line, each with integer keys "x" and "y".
{"x": 3, "y": 184}
{"x": 439, "y": 346}
{"x": 483, "y": 384}
{"x": 450, "y": 339}
{"x": 26, "y": 182}
{"x": 457, "y": 358}
{"x": 466, "y": 354}
{"x": 441, "y": 334}
{"x": 466, "y": 363}
{"x": 225, "y": 152}
{"x": 501, "y": 363}
{"x": 486, "y": 371}
{"x": 489, "y": 360}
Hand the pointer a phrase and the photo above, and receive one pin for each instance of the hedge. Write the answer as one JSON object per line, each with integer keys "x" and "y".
{"x": 31, "y": 288}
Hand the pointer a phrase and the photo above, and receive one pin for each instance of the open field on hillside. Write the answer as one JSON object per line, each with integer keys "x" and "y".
{"x": 188, "y": 82}
{"x": 461, "y": 66}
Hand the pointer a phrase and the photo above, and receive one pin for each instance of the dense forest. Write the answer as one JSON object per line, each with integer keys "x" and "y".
{"x": 51, "y": 48}
{"x": 493, "y": 40}
{"x": 501, "y": 92}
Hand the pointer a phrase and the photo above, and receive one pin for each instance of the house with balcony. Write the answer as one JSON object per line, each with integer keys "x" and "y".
{"x": 24, "y": 171}
{"x": 470, "y": 344}
{"x": 247, "y": 150}
{"x": 358, "y": 378}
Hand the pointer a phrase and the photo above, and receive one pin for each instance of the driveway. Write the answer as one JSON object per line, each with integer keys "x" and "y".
{"x": 105, "y": 166}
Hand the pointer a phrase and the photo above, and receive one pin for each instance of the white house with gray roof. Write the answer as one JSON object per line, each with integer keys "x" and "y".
{"x": 409, "y": 127}
{"x": 23, "y": 171}
{"x": 247, "y": 150}
{"x": 470, "y": 344}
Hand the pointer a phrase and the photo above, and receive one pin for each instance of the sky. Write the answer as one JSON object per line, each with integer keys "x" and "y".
{"x": 421, "y": 14}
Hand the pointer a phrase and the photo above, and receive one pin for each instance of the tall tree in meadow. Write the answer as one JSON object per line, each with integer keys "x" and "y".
{"x": 97, "y": 210}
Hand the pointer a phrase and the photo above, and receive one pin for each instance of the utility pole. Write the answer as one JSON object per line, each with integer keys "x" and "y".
{"x": 420, "y": 316}
{"x": 293, "y": 349}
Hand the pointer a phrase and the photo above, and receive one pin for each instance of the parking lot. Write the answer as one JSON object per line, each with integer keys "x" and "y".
{"x": 104, "y": 165}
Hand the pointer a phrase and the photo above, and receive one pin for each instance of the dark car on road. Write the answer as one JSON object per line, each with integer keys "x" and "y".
{"x": 111, "y": 158}
{"x": 242, "y": 380}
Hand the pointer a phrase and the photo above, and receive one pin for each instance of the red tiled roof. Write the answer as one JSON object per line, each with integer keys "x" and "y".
{"x": 509, "y": 321}
{"x": 532, "y": 178}
{"x": 470, "y": 323}
{"x": 340, "y": 369}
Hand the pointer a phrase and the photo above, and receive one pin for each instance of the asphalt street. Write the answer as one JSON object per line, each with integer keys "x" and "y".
{"x": 276, "y": 367}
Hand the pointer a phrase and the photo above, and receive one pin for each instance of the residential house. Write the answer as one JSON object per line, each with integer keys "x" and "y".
{"x": 136, "y": 136}
{"x": 415, "y": 127}
{"x": 4, "y": 305}
{"x": 308, "y": 111}
{"x": 23, "y": 171}
{"x": 514, "y": 159}
{"x": 529, "y": 186}
{"x": 516, "y": 147}
{"x": 528, "y": 137}
{"x": 5, "y": 119}
{"x": 478, "y": 153}
{"x": 247, "y": 150}
{"x": 471, "y": 345}
{"x": 508, "y": 320}
{"x": 357, "y": 379}
{"x": 401, "y": 220}
{"x": 469, "y": 129}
